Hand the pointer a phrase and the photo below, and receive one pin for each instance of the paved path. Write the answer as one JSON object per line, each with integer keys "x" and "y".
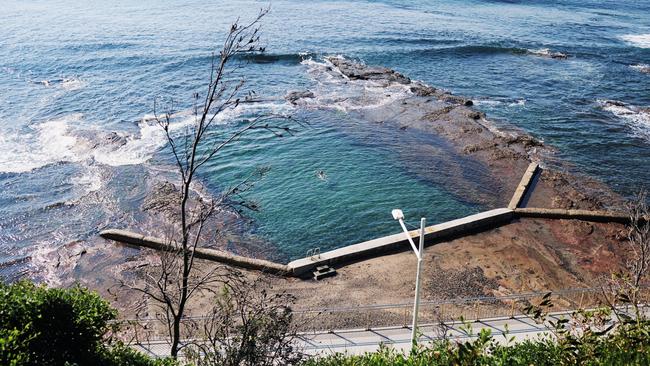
{"x": 358, "y": 341}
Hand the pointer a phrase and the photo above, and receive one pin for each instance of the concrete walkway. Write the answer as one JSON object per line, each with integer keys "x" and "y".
{"x": 359, "y": 341}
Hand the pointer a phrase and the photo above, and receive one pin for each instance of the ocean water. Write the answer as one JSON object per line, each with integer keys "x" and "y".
{"x": 71, "y": 72}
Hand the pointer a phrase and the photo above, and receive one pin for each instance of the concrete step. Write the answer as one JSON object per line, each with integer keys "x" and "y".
{"x": 323, "y": 272}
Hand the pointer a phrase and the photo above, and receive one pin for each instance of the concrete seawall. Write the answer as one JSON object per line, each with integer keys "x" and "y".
{"x": 523, "y": 186}
{"x": 585, "y": 215}
{"x": 380, "y": 246}
{"x": 209, "y": 254}
{"x": 391, "y": 243}
{"x": 488, "y": 219}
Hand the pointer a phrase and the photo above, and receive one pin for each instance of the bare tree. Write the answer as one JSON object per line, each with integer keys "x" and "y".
{"x": 248, "y": 325}
{"x": 625, "y": 287}
{"x": 177, "y": 279}
{"x": 639, "y": 239}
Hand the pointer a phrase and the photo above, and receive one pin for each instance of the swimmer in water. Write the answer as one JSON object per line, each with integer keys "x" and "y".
{"x": 321, "y": 175}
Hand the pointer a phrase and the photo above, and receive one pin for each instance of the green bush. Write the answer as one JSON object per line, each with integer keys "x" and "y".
{"x": 13, "y": 346}
{"x": 52, "y": 327}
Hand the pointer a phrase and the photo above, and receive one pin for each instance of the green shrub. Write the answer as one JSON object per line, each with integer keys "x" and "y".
{"x": 13, "y": 346}
{"x": 52, "y": 327}
{"x": 122, "y": 355}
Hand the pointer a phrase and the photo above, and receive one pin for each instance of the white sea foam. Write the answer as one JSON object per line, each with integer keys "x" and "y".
{"x": 496, "y": 102}
{"x": 546, "y": 52}
{"x": 43, "y": 258}
{"x": 644, "y": 68}
{"x": 487, "y": 102}
{"x": 72, "y": 83}
{"x": 64, "y": 140}
{"x": 91, "y": 179}
{"x": 43, "y": 144}
{"x": 638, "y": 119}
{"x": 137, "y": 149}
{"x": 638, "y": 40}
{"x": 335, "y": 90}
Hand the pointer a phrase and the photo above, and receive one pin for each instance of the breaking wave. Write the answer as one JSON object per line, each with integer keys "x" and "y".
{"x": 474, "y": 50}
{"x": 284, "y": 58}
{"x": 500, "y": 102}
{"x": 546, "y": 52}
{"x": 481, "y": 50}
{"x": 638, "y": 119}
{"x": 43, "y": 144}
{"x": 336, "y": 91}
{"x": 72, "y": 83}
{"x": 643, "y": 68}
{"x": 66, "y": 140}
{"x": 637, "y": 40}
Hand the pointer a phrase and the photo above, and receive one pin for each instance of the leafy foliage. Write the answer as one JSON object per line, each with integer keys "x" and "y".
{"x": 52, "y": 326}
{"x": 620, "y": 348}
{"x": 585, "y": 338}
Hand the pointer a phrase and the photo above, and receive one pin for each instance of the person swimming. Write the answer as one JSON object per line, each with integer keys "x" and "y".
{"x": 321, "y": 175}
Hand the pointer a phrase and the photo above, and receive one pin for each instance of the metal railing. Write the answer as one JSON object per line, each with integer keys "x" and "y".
{"x": 434, "y": 312}
{"x": 390, "y": 315}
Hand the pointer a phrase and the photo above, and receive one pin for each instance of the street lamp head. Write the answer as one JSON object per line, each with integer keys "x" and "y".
{"x": 398, "y": 214}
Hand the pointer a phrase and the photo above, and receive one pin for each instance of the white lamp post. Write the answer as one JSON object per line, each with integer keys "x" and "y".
{"x": 419, "y": 252}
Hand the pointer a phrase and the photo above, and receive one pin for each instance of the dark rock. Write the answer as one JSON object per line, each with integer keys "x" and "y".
{"x": 165, "y": 197}
{"x": 115, "y": 139}
{"x": 423, "y": 90}
{"x": 447, "y": 284}
{"x": 550, "y": 54}
{"x": 294, "y": 96}
{"x": 454, "y": 99}
{"x": 525, "y": 140}
{"x": 356, "y": 71}
{"x": 615, "y": 103}
{"x": 559, "y": 55}
{"x": 475, "y": 115}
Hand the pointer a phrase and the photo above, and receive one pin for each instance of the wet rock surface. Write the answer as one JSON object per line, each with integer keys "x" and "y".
{"x": 503, "y": 155}
{"x": 293, "y": 96}
{"x": 115, "y": 139}
{"x": 163, "y": 198}
{"x": 357, "y": 71}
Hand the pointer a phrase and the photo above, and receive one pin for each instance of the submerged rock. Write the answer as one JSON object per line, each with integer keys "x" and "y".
{"x": 293, "y": 96}
{"x": 164, "y": 198}
{"x": 545, "y": 52}
{"x": 642, "y": 68}
{"x": 115, "y": 139}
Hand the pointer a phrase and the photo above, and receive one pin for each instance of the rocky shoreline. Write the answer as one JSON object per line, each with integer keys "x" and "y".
{"x": 528, "y": 255}
{"x": 502, "y": 154}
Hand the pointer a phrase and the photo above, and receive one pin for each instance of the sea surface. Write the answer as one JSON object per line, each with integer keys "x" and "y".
{"x": 73, "y": 72}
